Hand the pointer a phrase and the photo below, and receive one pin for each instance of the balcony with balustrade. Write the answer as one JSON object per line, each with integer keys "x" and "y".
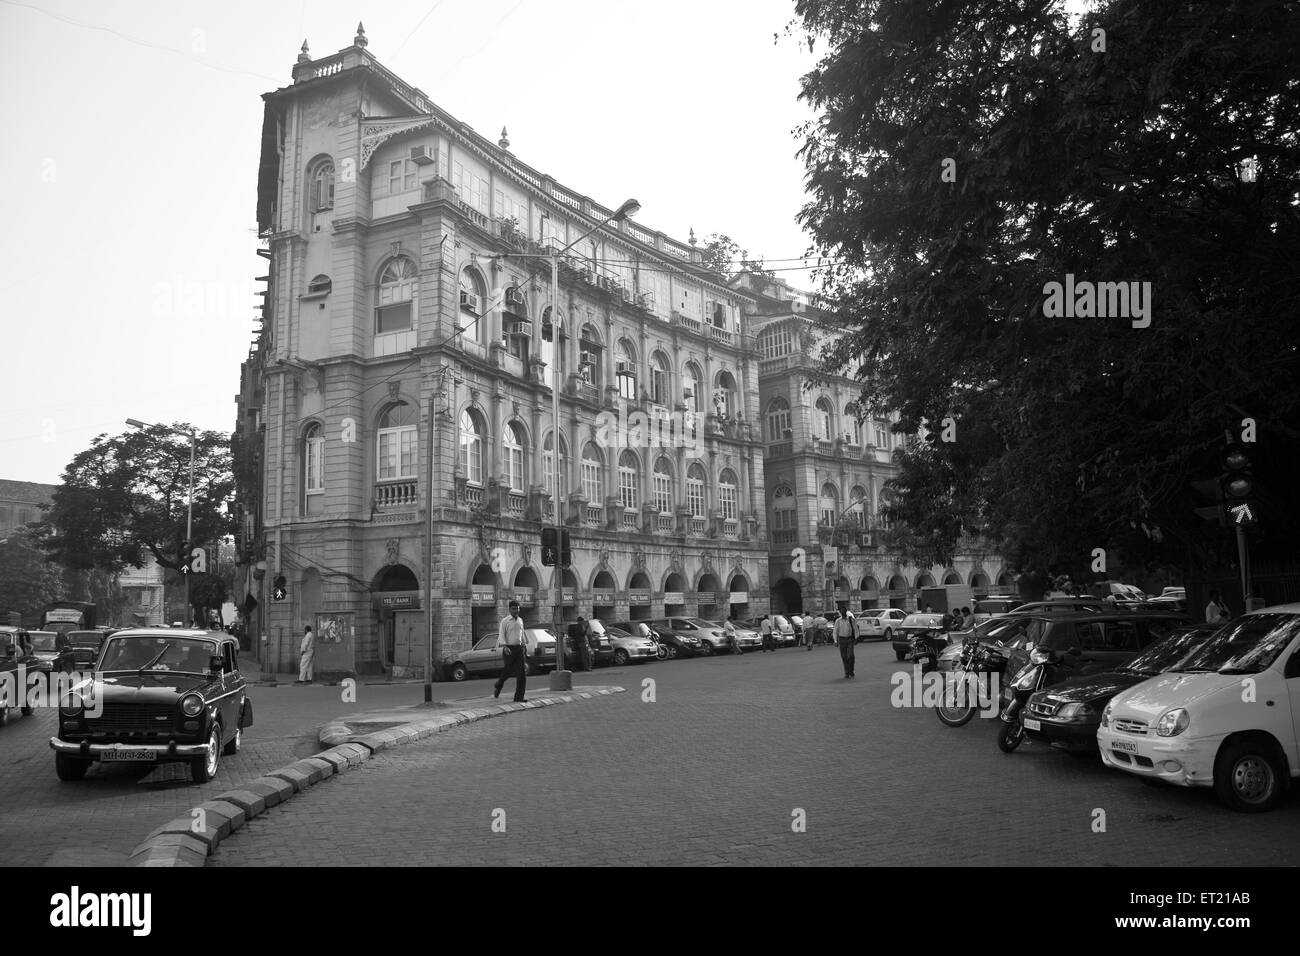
{"x": 731, "y": 528}
{"x": 628, "y": 522}
{"x": 516, "y": 503}
{"x": 396, "y": 494}
{"x": 594, "y": 516}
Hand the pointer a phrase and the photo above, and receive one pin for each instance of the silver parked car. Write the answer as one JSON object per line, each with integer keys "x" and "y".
{"x": 629, "y": 647}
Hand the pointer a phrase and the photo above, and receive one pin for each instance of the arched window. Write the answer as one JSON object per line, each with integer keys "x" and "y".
{"x": 882, "y": 433}
{"x": 322, "y": 187}
{"x": 589, "y": 353}
{"x": 629, "y": 470}
{"x": 663, "y": 486}
{"x": 824, "y": 420}
{"x": 695, "y": 490}
{"x": 886, "y": 501}
{"x": 659, "y": 379}
{"x": 472, "y": 292}
{"x": 728, "y": 496}
{"x": 471, "y": 446}
{"x": 625, "y": 370}
{"x": 548, "y": 463}
{"x": 399, "y": 284}
{"x": 593, "y": 468}
{"x": 852, "y": 424}
{"x": 858, "y": 498}
{"x": 396, "y": 442}
{"x": 778, "y": 419}
{"x": 692, "y": 397}
{"x": 513, "y": 441}
{"x": 313, "y": 463}
{"x": 830, "y": 504}
{"x": 785, "y": 515}
{"x": 724, "y": 394}
{"x": 775, "y": 341}
{"x": 321, "y": 285}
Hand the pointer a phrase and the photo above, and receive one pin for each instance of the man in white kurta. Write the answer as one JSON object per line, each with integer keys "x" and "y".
{"x": 306, "y": 654}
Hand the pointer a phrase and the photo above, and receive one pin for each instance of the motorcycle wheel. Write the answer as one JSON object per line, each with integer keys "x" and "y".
{"x": 955, "y": 716}
{"x": 1010, "y": 736}
{"x": 663, "y": 652}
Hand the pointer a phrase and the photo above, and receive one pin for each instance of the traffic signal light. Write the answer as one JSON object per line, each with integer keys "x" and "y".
{"x": 1237, "y": 485}
{"x": 280, "y": 588}
{"x": 554, "y": 553}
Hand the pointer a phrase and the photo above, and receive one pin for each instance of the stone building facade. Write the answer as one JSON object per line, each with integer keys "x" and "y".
{"x": 825, "y": 468}
{"x": 395, "y": 424}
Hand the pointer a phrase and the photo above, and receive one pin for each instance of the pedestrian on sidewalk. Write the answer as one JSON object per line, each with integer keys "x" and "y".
{"x": 765, "y": 631}
{"x": 846, "y": 633}
{"x": 729, "y": 628}
{"x": 306, "y": 656}
{"x": 510, "y": 638}
{"x": 583, "y": 635}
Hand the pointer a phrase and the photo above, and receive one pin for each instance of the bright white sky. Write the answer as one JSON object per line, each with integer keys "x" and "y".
{"x": 130, "y": 166}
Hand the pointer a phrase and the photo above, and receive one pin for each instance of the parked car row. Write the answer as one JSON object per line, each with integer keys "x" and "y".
{"x": 1155, "y": 695}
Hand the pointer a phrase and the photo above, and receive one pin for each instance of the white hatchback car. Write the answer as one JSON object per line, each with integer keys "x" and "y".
{"x": 1227, "y": 717}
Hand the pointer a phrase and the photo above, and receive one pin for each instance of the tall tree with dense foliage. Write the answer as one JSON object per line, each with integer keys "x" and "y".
{"x": 968, "y": 155}
{"x": 28, "y": 579}
{"x": 124, "y": 498}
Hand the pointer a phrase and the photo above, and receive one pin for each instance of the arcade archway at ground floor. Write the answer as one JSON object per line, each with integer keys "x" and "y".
{"x": 787, "y": 597}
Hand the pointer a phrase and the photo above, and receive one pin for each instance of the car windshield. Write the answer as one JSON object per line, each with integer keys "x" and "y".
{"x": 700, "y": 622}
{"x": 92, "y": 638}
{"x": 616, "y": 632}
{"x": 1167, "y": 654}
{"x": 43, "y": 640}
{"x": 540, "y": 635}
{"x": 1248, "y": 645}
{"x": 486, "y": 643}
{"x": 923, "y": 620}
{"x": 187, "y": 655}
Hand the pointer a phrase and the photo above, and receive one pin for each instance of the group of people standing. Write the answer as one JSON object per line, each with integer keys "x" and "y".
{"x": 845, "y": 629}
{"x": 958, "y": 619}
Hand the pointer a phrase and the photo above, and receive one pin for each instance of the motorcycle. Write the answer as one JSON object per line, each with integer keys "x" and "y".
{"x": 925, "y": 648}
{"x": 1043, "y": 670}
{"x": 976, "y": 658}
{"x": 664, "y": 650}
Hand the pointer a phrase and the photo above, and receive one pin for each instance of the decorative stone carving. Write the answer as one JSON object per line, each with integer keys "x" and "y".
{"x": 391, "y": 546}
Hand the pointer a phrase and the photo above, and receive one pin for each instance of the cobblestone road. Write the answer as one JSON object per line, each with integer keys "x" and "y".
{"x": 98, "y": 821}
{"x": 712, "y": 772}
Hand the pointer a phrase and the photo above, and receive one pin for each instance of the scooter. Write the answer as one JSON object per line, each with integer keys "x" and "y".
{"x": 925, "y": 650}
{"x": 1043, "y": 670}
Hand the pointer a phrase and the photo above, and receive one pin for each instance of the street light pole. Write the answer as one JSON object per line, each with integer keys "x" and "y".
{"x": 562, "y": 679}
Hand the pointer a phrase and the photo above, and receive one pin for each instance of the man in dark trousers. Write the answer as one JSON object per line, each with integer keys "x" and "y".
{"x": 846, "y": 635}
{"x": 510, "y": 640}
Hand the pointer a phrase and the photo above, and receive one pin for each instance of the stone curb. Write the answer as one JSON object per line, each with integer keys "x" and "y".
{"x": 190, "y": 839}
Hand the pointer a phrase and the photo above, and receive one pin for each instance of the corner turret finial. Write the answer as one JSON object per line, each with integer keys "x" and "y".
{"x": 360, "y": 38}
{"x": 692, "y": 239}
{"x": 303, "y": 55}
{"x": 504, "y": 141}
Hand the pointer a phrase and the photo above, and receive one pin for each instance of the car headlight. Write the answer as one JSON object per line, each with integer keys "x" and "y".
{"x": 1105, "y": 715}
{"x": 191, "y": 705}
{"x": 1173, "y": 722}
{"x": 1076, "y": 710}
{"x": 1040, "y": 655}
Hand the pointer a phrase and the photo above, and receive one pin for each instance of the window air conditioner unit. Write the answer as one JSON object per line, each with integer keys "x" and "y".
{"x": 646, "y": 300}
{"x": 519, "y": 327}
{"x": 623, "y": 368}
{"x": 469, "y": 302}
{"x": 514, "y": 298}
{"x": 421, "y": 156}
{"x": 587, "y": 358}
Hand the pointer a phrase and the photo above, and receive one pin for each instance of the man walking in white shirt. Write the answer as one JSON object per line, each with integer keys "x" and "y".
{"x": 510, "y": 639}
{"x": 846, "y": 634}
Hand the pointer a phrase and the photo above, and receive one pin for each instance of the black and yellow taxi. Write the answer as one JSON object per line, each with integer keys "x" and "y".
{"x": 157, "y": 695}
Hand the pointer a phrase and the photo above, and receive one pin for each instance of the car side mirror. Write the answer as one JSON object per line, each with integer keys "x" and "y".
{"x": 215, "y": 663}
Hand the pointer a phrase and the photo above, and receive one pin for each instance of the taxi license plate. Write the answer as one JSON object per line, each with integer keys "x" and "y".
{"x": 137, "y": 753}
{"x": 1124, "y": 746}
{"x": 1031, "y": 724}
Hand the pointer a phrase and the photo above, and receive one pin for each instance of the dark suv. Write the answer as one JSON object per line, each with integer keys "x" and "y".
{"x": 1106, "y": 641}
